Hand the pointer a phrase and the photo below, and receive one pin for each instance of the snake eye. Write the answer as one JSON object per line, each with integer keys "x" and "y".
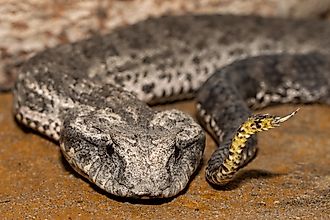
{"x": 109, "y": 149}
{"x": 177, "y": 152}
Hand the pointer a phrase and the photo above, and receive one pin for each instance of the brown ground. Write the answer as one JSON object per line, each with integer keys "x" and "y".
{"x": 289, "y": 179}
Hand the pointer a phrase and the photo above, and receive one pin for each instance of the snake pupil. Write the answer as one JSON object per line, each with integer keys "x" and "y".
{"x": 177, "y": 153}
{"x": 109, "y": 149}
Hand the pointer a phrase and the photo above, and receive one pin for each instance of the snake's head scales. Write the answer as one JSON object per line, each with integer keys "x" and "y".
{"x": 149, "y": 159}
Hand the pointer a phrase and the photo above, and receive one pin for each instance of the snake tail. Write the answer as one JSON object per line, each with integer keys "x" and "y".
{"x": 232, "y": 163}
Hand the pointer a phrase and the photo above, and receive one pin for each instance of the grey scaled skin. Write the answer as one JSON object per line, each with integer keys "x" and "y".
{"x": 91, "y": 96}
{"x": 134, "y": 152}
{"x": 226, "y": 99}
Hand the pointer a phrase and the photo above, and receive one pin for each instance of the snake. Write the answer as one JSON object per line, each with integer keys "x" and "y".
{"x": 94, "y": 96}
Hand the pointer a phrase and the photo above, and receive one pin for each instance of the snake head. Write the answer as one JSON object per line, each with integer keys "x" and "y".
{"x": 153, "y": 157}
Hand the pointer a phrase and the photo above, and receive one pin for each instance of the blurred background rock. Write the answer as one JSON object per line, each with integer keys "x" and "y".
{"x": 32, "y": 25}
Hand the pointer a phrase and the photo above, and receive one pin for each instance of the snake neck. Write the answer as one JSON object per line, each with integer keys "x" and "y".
{"x": 233, "y": 162}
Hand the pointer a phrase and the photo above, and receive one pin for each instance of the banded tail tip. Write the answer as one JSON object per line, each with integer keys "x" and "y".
{"x": 278, "y": 120}
{"x": 233, "y": 162}
{"x": 264, "y": 122}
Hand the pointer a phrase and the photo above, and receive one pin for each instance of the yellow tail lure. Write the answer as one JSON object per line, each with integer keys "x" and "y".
{"x": 253, "y": 125}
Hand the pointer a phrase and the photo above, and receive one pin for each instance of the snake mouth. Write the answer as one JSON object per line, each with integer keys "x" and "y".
{"x": 147, "y": 194}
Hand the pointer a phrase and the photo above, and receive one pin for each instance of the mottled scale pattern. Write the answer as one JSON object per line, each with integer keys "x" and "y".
{"x": 258, "y": 82}
{"x": 91, "y": 96}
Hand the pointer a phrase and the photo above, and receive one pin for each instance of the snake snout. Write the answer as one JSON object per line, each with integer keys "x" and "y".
{"x": 148, "y": 190}
{"x": 147, "y": 186}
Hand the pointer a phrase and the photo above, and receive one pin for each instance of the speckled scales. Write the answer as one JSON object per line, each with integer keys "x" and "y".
{"x": 73, "y": 93}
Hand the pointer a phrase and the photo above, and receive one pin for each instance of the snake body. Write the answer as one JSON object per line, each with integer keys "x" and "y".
{"x": 91, "y": 95}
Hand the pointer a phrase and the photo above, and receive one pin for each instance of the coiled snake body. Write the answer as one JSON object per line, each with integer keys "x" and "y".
{"x": 90, "y": 96}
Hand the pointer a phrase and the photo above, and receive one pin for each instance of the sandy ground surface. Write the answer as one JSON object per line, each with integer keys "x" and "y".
{"x": 288, "y": 180}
